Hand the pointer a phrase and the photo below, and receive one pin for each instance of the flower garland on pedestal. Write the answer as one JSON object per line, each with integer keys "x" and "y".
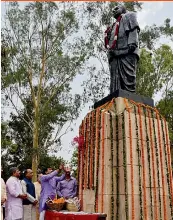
{"x": 89, "y": 150}
{"x": 167, "y": 170}
{"x": 125, "y": 167}
{"x": 112, "y": 155}
{"x": 98, "y": 119}
{"x": 93, "y": 146}
{"x": 161, "y": 163}
{"x": 153, "y": 164}
{"x": 117, "y": 157}
{"x": 131, "y": 158}
{"x": 157, "y": 161}
{"x": 149, "y": 165}
{"x": 143, "y": 162}
{"x": 169, "y": 160}
{"x": 139, "y": 165}
{"x": 85, "y": 153}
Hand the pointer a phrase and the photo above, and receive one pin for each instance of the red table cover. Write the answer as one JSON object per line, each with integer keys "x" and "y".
{"x": 52, "y": 215}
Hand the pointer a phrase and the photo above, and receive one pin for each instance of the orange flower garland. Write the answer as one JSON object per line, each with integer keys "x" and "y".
{"x": 97, "y": 159}
{"x": 153, "y": 165}
{"x": 103, "y": 134}
{"x": 161, "y": 163}
{"x": 91, "y": 153}
{"x": 169, "y": 160}
{"x": 143, "y": 163}
{"x": 86, "y": 155}
{"x": 131, "y": 159}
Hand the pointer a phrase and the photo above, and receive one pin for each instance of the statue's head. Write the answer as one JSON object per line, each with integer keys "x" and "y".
{"x": 118, "y": 10}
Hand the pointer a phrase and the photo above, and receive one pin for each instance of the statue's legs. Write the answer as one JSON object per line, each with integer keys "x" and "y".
{"x": 123, "y": 73}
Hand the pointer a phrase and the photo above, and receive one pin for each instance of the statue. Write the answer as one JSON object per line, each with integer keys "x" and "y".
{"x": 121, "y": 40}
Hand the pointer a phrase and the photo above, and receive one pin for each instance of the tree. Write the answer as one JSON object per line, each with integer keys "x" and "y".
{"x": 97, "y": 84}
{"x": 40, "y": 61}
{"x": 74, "y": 162}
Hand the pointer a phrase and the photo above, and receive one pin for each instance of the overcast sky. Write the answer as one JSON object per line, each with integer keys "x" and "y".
{"x": 152, "y": 13}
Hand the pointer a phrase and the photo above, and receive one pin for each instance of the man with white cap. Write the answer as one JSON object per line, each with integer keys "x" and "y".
{"x": 67, "y": 188}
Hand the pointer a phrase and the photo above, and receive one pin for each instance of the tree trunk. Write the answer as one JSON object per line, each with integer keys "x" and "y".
{"x": 35, "y": 144}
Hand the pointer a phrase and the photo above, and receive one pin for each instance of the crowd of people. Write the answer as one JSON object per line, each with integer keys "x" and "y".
{"x": 24, "y": 200}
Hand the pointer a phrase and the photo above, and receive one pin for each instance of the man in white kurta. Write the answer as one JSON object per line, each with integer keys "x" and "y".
{"x": 13, "y": 206}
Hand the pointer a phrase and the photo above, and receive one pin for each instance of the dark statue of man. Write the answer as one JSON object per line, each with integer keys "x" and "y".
{"x": 121, "y": 40}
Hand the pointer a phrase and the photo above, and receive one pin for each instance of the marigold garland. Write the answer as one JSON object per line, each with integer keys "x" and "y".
{"x": 131, "y": 159}
{"x": 93, "y": 146}
{"x": 167, "y": 170}
{"x": 82, "y": 168}
{"x": 117, "y": 157}
{"x": 139, "y": 165}
{"x": 97, "y": 157}
{"x": 157, "y": 161}
{"x": 161, "y": 163}
{"x": 143, "y": 162}
{"x": 112, "y": 184}
{"x": 102, "y": 170}
{"x": 89, "y": 151}
{"x": 169, "y": 160}
{"x": 149, "y": 165}
{"x": 125, "y": 168}
{"x": 86, "y": 154}
{"x": 153, "y": 164}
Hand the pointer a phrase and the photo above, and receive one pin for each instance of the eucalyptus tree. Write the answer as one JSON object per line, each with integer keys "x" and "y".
{"x": 42, "y": 53}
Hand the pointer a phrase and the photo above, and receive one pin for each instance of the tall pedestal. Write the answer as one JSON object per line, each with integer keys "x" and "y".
{"x": 125, "y": 164}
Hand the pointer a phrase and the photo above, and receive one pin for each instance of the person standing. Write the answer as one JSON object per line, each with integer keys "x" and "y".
{"x": 15, "y": 196}
{"x": 29, "y": 205}
{"x": 67, "y": 188}
{"x": 48, "y": 187}
{"x": 37, "y": 192}
{"x": 3, "y": 196}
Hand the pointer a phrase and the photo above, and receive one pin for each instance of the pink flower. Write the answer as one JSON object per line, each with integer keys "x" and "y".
{"x": 80, "y": 141}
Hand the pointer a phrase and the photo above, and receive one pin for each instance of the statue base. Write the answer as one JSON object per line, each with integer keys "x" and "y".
{"x": 125, "y": 94}
{"x": 124, "y": 165}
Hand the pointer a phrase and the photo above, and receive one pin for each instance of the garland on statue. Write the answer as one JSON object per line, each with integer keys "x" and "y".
{"x": 143, "y": 162}
{"x": 112, "y": 157}
{"x": 153, "y": 164}
{"x": 97, "y": 155}
{"x": 161, "y": 163}
{"x": 149, "y": 159}
{"x": 125, "y": 167}
{"x": 139, "y": 165}
{"x": 168, "y": 180}
{"x": 157, "y": 161}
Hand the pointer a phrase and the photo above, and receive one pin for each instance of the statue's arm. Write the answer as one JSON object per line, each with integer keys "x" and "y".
{"x": 133, "y": 37}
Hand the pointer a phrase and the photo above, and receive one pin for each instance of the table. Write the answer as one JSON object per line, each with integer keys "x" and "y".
{"x": 53, "y": 215}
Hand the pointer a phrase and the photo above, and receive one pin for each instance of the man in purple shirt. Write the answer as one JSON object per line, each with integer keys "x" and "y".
{"x": 48, "y": 188}
{"x": 67, "y": 188}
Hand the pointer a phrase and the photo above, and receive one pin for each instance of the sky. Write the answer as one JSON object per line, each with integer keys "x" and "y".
{"x": 152, "y": 13}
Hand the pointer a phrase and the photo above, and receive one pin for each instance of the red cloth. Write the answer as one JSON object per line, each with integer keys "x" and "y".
{"x": 51, "y": 215}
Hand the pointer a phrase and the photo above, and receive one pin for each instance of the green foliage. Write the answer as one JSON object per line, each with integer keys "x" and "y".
{"x": 41, "y": 57}
{"x": 165, "y": 107}
{"x": 74, "y": 162}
